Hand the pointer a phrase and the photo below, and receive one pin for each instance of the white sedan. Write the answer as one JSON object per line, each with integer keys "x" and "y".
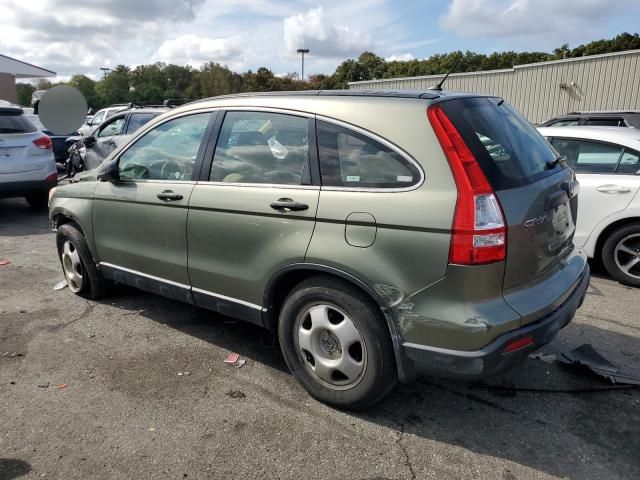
{"x": 606, "y": 161}
{"x": 27, "y": 165}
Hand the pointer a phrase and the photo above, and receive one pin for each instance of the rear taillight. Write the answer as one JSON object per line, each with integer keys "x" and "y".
{"x": 43, "y": 142}
{"x": 478, "y": 232}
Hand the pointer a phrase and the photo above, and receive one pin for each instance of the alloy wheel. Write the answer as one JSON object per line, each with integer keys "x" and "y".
{"x": 72, "y": 266}
{"x": 627, "y": 255}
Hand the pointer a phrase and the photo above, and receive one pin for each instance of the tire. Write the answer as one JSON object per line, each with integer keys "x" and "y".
{"x": 621, "y": 254}
{"x": 343, "y": 356}
{"x": 80, "y": 271}
{"x": 38, "y": 200}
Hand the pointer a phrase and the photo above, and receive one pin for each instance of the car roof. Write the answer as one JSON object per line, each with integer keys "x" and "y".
{"x": 620, "y": 135}
{"x": 604, "y": 112}
{"x": 415, "y": 94}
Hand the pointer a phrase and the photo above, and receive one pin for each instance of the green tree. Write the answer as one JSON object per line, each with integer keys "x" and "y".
{"x": 87, "y": 87}
{"x": 24, "y": 91}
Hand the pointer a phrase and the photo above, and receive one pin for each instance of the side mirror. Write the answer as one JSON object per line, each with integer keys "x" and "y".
{"x": 109, "y": 171}
{"x": 89, "y": 141}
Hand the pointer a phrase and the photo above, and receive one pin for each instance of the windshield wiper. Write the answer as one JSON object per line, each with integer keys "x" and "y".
{"x": 551, "y": 164}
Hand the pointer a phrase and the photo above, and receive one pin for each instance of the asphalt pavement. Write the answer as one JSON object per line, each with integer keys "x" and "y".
{"x": 135, "y": 387}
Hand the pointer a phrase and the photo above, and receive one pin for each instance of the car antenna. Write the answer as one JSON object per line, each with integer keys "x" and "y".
{"x": 438, "y": 86}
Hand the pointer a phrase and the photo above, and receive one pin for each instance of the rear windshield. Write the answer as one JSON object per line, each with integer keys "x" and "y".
{"x": 509, "y": 149}
{"x": 15, "y": 122}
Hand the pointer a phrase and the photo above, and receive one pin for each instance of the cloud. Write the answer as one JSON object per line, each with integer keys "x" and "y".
{"x": 508, "y": 18}
{"x": 315, "y": 31}
{"x": 195, "y": 50}
{"x": 400, "y": 57}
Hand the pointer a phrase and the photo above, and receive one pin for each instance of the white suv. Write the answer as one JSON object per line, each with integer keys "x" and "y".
{"x": 606, "y": 161}
{"x": 27, "y": 164}
{"x": 98, "y": 118}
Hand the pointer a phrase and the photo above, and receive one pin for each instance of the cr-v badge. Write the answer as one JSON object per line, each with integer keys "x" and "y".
{"x": 531, "y": 222}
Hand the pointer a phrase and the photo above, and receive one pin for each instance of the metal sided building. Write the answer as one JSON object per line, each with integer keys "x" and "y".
{"x": 544, "y": 90}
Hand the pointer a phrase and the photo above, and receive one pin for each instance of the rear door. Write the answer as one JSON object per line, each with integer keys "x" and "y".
{"x": 18, "y": 154}
{"x": 253, "y": 212}
{"x": 538, "y": 198}
{"x": 607, "y": 176}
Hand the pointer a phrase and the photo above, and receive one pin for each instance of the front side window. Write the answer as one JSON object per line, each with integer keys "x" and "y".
{"x": 262, "y": 147}
{"x": 167, "y": 152}
{"x": 97, "y": 119}
{"x": 351, "y": 159}
{"x": 112, "y": 128}
{"x": 589, "y": 157}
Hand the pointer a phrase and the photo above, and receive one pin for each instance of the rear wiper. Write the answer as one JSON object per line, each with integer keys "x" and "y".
{"x": 551, "y": 164}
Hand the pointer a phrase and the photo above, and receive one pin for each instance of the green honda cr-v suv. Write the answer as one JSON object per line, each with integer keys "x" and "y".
{"x": 382, "y": 235}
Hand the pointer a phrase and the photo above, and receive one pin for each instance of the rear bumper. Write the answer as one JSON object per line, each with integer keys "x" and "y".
{"x": 491, "y": 359}
{"x": 19, "y": 189}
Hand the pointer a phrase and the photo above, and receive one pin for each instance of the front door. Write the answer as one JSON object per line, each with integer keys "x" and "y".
{"x": 140, "y": 221}
{"x": 103, "y": 142}
{"x": 254, "y": 213}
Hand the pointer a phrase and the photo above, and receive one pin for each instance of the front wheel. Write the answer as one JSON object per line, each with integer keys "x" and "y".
{"x": 621, "y": 255}
{"x": 80, "y": 271}
{"x": 335, "y": 342}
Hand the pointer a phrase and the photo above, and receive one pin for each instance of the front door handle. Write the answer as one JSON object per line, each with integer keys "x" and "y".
{"x": 168, "y": 196}
{"x": 613, "y": 189}
{"x": 287, "y": 204}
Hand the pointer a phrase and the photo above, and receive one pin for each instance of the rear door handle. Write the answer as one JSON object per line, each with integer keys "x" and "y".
{"x": 287, "y": 204}
{"x": 612, "y": 189}
{"x": 168, "y": 196}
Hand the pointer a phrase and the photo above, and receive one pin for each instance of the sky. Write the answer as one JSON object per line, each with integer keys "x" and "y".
{"x": 80, "y": 37}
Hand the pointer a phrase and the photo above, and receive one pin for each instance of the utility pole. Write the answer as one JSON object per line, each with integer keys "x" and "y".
{"x": 303, "y": 51}
{"x": 104, "y": 71}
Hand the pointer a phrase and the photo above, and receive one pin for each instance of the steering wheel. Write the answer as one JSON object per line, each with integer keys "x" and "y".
{"x": 171, "y": 170}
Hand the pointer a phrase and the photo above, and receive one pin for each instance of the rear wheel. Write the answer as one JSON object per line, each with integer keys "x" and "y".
{"x": 336, "y": 344}
{"x": 621, "y": 255}
{"x": 38, "y": 200}
{"x": 80, "y": 271}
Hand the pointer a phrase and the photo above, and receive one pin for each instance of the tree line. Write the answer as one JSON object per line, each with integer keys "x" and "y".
{"x": 159, "y": 81}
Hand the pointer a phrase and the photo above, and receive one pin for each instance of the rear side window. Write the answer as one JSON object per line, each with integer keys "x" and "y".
{"x": 605, "y": 122}
{"x": 11, "y": 122}
{"x": 629, "y": 163}
{"x": 594, "y": 157}
{"x": 351, "y": 159}
{"x": 137, "y": 120}
{"x": 511, "y": 152}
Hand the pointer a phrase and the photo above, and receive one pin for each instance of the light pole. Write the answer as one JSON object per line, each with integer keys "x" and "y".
{"x": 104, "y": 71}
{"x": 303, "y": 51}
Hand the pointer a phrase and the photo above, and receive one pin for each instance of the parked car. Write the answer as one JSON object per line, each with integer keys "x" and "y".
{"x": 100, "y": 116}
{"x": 88, "y": 152}
{"x": 606, "y": 162}
{"x": 612, "y": 118}
{"x": 59, "y": 141}
{"x": 375, "y": 232}
{"x": 27, "y": 165}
